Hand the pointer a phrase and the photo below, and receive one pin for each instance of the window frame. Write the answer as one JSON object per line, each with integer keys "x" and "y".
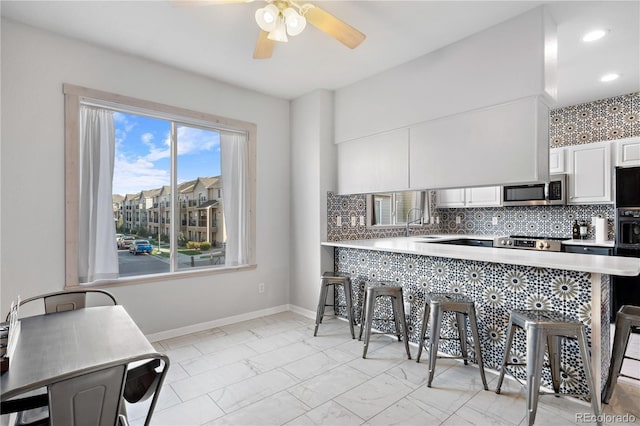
{"x": 370, "y": 204}
{"x": 73, "y": 97}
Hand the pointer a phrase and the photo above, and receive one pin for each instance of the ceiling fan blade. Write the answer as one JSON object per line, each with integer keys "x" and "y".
{"x": 206, "y": 2}
{"x": 264, "y": 46}
{"x": 333, "y": 26}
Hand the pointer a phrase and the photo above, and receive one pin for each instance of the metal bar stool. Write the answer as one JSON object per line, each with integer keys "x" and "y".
{"x": 627, "y": 318}
{"x": 335, "y": 278}
{"x": 373, "y": 290}
{"x": 546, "y": 326}
{"x": 435, "y": 306}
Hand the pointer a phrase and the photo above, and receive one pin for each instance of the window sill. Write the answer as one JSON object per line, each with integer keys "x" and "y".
{"x": 144, "y": 279}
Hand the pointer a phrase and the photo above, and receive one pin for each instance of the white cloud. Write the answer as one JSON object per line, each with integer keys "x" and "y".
{"x": 147, "y": 137}
{"x": 130, "y": 177}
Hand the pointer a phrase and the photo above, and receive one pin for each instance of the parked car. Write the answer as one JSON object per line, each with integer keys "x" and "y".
{"x": 118, "y": 236}
{"x": 140, "y": 246}
{"x": 126, "y": 241}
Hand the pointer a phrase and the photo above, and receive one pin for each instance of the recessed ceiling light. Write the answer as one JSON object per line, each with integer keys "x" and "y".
{"x": 609, "y": 77}
{"x": 594, "y": 35}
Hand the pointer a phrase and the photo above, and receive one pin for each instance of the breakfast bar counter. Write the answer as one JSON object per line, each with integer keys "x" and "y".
{"x": 498, "y": 280}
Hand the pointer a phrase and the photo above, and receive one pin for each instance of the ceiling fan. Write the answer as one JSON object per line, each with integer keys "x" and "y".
{"x": 280, "y": 18}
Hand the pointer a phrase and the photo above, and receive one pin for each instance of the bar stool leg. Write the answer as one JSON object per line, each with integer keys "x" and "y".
{"x": 434, "y": 340}
{"x": 396, "y": 316}
{"x": 473, "y": 321}
{"x": 620, "y": 342}
{"x": 595, "y": 395}
{"x": 555, "y": 351}
{"x": 362, "y": 316}
{"x": 321, "y": 304}
{"x": 403, "y": 320}
{"x": 371, "y": 301}
{"x": 423, "y": 329}
{"x": 535, "y": 357}
{"x": 462, "y": 336}
{"x": 349, "y": 302}
{"x": 505, "y": 360}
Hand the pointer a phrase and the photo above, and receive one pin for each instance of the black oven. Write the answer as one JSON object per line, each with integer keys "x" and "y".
{"x": 626, "y": 290}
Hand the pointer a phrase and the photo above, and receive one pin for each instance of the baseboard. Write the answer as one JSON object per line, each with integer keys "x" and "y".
{"x": 176, "y": 332}
{"x": 303, "y": 311}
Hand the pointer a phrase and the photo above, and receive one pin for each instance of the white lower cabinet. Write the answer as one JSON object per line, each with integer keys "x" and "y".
{"x": 488, "y": 196}
{"x": 590, "y": 173}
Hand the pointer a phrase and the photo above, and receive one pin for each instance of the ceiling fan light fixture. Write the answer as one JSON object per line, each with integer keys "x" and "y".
{"x": 279, "y": 33}
{"x": 267, "y": 17}
{"x": 295, "y": 22}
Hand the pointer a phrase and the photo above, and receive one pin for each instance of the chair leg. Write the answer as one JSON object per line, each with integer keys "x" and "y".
{"x": 535, "y": 357}
{"x": 507, "y": 351}
{"x": 462, "y": 336}
{"x": 620, "y": 341}
{"x": 371, "y": 301}
{"x": 321, "y": 304}
{"x": 349, "y": 302}
{"x": 362, "y": 316}
{"x": 595, "y": 395}
{"x": 473, "y": 321}
{"x": 554, "y": 345}
{"x": 423, "y": 329}
{"x": 396, "y": 316}
{"x": 403, "y": 321}
{"x": 434, "y": 340}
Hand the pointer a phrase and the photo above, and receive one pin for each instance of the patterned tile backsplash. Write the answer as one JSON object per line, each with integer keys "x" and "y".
{"x": 607, "y": 119}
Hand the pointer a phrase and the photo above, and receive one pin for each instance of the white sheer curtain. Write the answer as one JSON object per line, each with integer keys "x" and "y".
{"x": 234, "y": 162}
{"x": 97, "y": 254}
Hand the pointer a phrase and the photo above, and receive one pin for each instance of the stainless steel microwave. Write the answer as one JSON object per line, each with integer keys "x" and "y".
{"x": 553, "y": 192}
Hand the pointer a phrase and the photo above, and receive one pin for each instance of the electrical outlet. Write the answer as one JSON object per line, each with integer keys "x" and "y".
{"x": 353, "y": 221}
{"x": 361, "y": 220}
{"x": 338, "y": 221}
{"x": 437, "y": 220}
{"x": 458, "y": 219}
{"x": 260, "y": 287}
{"x": 494, "y": 220}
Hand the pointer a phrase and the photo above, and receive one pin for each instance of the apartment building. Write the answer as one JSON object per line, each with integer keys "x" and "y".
{"x": 199, "y": 212}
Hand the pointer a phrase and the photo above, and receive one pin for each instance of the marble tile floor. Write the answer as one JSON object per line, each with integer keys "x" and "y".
{"x": 272, "y": 371}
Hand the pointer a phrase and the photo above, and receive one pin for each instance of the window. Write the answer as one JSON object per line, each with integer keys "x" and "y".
{"x": 393, "y": 208}
{"x": 182, "y": 180}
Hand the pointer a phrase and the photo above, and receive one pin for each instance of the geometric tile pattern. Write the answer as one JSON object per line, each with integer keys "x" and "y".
{"x": 606, "y": 119}
{"x": 496, "y": 290}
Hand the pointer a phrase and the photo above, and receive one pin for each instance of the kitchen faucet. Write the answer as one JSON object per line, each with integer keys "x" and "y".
{"x": 414, "y": 221}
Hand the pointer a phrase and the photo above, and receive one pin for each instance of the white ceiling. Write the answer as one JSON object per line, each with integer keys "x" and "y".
{"x": 218, "y": 40}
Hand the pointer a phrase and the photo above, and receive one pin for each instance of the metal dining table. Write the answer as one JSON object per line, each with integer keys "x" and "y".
{"x": 61, "y": 345}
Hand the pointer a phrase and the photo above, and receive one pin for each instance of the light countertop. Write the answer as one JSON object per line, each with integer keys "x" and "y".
{"x": 591, "y": 243}
{"x": 422, "y": 245}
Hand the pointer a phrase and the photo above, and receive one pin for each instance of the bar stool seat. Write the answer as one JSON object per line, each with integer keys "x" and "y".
{"x": 372, "y": 291}
{"x": 333, "y": 279}
{"x": 546, "y": 326}
{"x": 436, "y": 304}
{"x": 627, "y": 319}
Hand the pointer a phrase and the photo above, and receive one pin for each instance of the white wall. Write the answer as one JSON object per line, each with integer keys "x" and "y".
{"x": 503, "y": 63}
{"x": 313, "y": 166}
{"x": 34, "y": 66}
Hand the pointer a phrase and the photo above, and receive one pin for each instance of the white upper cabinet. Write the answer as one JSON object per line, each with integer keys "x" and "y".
{"x": 556, "y": 160}
{"x": 590, "y": 173}
{"x": 484, "y": 197}
{"x": 489, "y": 196}
{"x": 502, "y": 144}
{"x": 375, "y": 163}
{"x": 450, "y": 197}
{"x": 628, "y": 152}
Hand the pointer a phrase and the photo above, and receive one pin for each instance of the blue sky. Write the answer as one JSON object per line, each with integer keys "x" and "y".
{"x": 143, "y": 153}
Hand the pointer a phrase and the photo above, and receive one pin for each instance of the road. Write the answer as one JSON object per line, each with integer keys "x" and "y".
{"x": 141, "y": 264}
